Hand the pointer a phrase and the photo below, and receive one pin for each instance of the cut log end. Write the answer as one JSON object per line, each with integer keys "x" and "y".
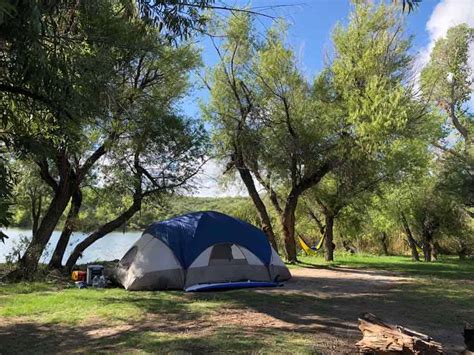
{"x": 383, "y": 338}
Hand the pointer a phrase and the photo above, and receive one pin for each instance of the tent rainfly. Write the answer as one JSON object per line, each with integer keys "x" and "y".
{"x": 205, "y": 249}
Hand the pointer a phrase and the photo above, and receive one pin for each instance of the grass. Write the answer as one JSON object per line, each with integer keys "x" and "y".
{"x": 73, "y": 306}
{"x": 445, "y": 268}
{"x": 44, "y": 317}
{"x": 226, "y": 338}
{"x": 38, "y": 308}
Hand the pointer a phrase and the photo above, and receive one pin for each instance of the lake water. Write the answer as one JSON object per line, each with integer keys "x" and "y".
{"x": 112, "y": 246}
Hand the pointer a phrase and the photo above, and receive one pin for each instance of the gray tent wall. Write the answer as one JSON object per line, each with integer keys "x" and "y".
{"x": 151, "y": 265}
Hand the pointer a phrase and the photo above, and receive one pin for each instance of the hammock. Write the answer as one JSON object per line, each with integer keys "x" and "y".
{"x": 310, "y": 250}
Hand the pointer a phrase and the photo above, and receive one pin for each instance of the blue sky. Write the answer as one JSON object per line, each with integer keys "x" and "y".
{"x": 310, "y": 26}
{"x": 311, "y": 23}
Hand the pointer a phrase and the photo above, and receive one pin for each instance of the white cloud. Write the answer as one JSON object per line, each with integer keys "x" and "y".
{"x": 449, "y": 13}
{"x": 209, "y": 182}
{"x": 446, "y": 14}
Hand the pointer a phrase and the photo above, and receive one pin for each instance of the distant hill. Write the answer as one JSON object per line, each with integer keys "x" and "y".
{"x": 239, "y": 207}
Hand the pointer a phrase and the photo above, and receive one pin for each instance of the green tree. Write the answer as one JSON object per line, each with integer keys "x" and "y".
{"x": 389, "y": 127}
{"x": 31, "y": 193}
{"x": 287, "y": 133}
{"x": 447, "y": 82}
{"x": 77, "y": 84}
{"x": 426, "y": 214}
{"x": 232, "y": 105}
{"x": 355, "y": 182}
{"x": 447, "y": 79}
{"x": 263, "y": 114}
{"x": 396, "y": 206}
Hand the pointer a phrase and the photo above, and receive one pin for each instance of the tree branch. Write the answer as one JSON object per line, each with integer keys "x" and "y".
{"x": 26, "y": 93}
{"x": 272, "y": 193}
{"x": 45, "y": 174}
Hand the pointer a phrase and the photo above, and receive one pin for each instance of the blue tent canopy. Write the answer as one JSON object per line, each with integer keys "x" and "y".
{"x": 190, "y": 234}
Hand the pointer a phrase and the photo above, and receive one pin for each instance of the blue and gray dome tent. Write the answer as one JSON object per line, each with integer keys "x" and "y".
{"x": 200, "y": 250}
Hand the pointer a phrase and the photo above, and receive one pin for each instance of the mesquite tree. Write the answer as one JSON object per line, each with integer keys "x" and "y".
{"x": 388, "y": 125}
{"x": 361, "y": 176}
{"x": 155, "y": 82}
{"x": 351, "y": 182}
{"x": 447, "y": 82}
{"x": 265, "y": 122}
{"x": 75, "y": 78}
{"x": 159, "y": 157}
{"x": 289, "y": 133}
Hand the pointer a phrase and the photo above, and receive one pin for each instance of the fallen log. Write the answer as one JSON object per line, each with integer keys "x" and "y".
{"x": 380, "y": 337}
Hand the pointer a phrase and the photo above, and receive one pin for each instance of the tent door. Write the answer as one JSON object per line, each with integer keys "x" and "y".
{"x": 227, "y": 254}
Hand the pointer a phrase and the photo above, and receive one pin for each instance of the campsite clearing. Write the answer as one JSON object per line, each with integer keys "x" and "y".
{"x": 315, "y": 312}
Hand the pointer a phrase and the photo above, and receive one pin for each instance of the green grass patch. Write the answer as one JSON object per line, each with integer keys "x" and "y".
{"x": 43, "y": 307}
{"x": 439, "y": 294}
{"x": 445, "y": 268}
{"x": 224, "y": 339}
{"x": 45, "y": 303}
{"x": 27, "y": 287}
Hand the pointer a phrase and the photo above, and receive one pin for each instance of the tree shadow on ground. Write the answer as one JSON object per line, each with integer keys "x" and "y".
{"x": 330, "y": 306}
{"x": 33, "y": 338}
{"x": 333, "y": 305}
{"x": 50, "y": 338}
{"x": 322, "y": 308}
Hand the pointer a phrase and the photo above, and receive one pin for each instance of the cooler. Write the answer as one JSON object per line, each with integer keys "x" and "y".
{"x": 92, "y": 271}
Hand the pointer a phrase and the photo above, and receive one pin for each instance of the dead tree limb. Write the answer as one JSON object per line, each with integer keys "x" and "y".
{"x": 380, "y": 337}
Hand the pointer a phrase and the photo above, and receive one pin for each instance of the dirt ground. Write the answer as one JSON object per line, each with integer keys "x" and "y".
{"x": 321, "y": 304}
{"x": 351, "y": 292}
{"x": 345, "y": 294}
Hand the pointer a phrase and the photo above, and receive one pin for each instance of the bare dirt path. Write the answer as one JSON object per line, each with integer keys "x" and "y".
{"x": 327, "y": 303}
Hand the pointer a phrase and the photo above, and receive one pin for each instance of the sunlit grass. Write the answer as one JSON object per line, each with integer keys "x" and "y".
{"x": 445, "y": 267}
{"x": 223, "y": 339}
{"x": 447, "y": 278}
{"x": 43, "y": 308}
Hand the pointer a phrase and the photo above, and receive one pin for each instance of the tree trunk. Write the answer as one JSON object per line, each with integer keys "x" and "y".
{"x": 427, "y": 251}
{"x": 28, "y": 264}
{"x": 36, "y": 205}
{"x": 411, "y": 241}
{"x": 434, "y": 251}
{"x": 469, "y": 338}
{"x": 429, "y": 226}
{"x": 247, "y": 178}
{"x": 463, "y": 250}
{"x": 102, "y": 231}
{"x": 349, "y": 247}
{"x": 288, "y": 225}
{"x": 428, "y": 245}
{"x": 328, "y": 238}
{"x": 313, "y": 216}
{"x": 383, "y": 239}
{"x": 69, "y": 226}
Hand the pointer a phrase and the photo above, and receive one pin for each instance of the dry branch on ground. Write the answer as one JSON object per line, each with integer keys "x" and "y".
{"x": 382, "y": 338}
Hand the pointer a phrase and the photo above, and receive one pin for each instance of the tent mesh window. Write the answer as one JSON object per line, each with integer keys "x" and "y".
{"x": 227, "y": 254}
{"x": 128, "y": 257}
